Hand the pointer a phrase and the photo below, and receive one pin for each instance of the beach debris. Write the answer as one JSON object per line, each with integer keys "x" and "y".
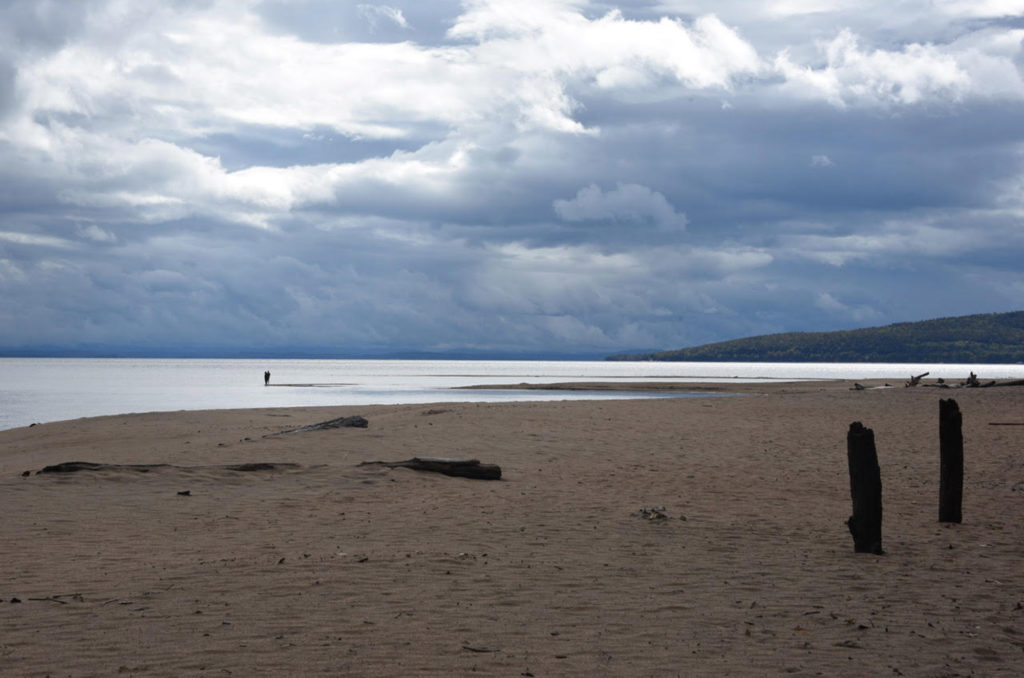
{"x": 652, "y": 513}
{"x": 865, "y": 490}
{"x": 462, "y": 468}
{"x": 972, "y": 381}
{"x": 341, "y": 422}
{"x": 75, "y": 466}
{"x": 185, "y": 493}
{"x": 914, "y": 381}
{"x": 256, "y": 466}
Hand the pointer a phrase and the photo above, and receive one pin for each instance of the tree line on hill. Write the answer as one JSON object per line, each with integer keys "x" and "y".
{"x": 982, "y": 338}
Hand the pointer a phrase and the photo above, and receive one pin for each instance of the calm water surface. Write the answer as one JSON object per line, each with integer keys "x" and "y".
{"x": 53, "y": 389}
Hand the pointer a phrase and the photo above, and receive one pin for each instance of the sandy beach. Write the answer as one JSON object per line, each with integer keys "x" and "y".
{"x": 319, "y": 566}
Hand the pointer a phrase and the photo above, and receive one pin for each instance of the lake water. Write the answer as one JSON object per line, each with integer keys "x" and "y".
{"x": 53, "y": 389}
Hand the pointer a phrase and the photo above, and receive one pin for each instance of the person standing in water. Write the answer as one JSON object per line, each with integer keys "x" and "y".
{"x": 266, "y": 378}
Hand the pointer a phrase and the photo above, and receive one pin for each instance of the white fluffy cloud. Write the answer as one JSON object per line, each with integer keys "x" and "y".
{"x": 94, "y": 110}
{"x": 203, "y": 71}
{"x": 852, "y": 75}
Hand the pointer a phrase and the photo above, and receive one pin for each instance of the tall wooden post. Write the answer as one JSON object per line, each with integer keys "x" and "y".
{"x": 951, "y": 462}
{"x": 865, "y": 489}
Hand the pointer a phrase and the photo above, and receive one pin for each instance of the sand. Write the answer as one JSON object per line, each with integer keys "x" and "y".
{"x": 330, "y": 568}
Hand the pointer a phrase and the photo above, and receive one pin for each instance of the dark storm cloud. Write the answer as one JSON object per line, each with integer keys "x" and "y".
{"x": 544, "y": 175}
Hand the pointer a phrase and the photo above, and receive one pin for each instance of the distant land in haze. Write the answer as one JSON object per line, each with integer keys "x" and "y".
{"x": 983, "y": 338}
{"x": 283, "y": 353}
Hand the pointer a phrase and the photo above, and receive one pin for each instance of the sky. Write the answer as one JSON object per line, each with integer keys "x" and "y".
{"x": 522, "y": 176}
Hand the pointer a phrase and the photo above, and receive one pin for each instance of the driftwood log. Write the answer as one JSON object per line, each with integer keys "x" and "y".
{"x": 461, "y": 468}
{"x": 1015, "y": 382}
{"x": 865, "y": 490}
{"x": 76, "y": 466}
{"x": 341, "y": 422}
{"x": 861, "y": 387}
{"x": 974, "y": 383}
{"x": 915, "y": 380}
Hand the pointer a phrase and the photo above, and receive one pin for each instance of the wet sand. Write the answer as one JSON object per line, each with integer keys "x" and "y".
{"x": 319, "y": 566}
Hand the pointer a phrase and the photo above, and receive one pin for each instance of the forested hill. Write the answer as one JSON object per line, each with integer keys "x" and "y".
{"x": 985, "y": 338}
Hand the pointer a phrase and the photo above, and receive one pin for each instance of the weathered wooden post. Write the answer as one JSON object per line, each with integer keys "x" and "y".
{"x": 951, "y": 462}
{"x": 865, "y": 489}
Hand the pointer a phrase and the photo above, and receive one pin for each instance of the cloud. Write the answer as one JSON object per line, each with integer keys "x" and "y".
{"x": 915, "y": 73}
{"x": 859, "y": 314}
{"x": 35, "y": 240}
{"x": 897, "y": 243}
{"x": 191, "y": 74}
{"x": 548, "y": 175}
{"x": 96, "y": 234}
{"x": 982, "y": 8}
{"x": 376, "y": 13}
{"x": 626, "y": 203}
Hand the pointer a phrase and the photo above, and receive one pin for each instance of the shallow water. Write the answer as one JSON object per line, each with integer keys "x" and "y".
{"x": 53, "y": 389}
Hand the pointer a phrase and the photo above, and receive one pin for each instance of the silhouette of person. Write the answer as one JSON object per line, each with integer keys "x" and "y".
{"x": 266, "y": 378}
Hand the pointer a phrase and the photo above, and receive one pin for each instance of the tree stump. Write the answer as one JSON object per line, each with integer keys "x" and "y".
{"x": 951, "y": 462}
{"x": 865, "y": 490}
